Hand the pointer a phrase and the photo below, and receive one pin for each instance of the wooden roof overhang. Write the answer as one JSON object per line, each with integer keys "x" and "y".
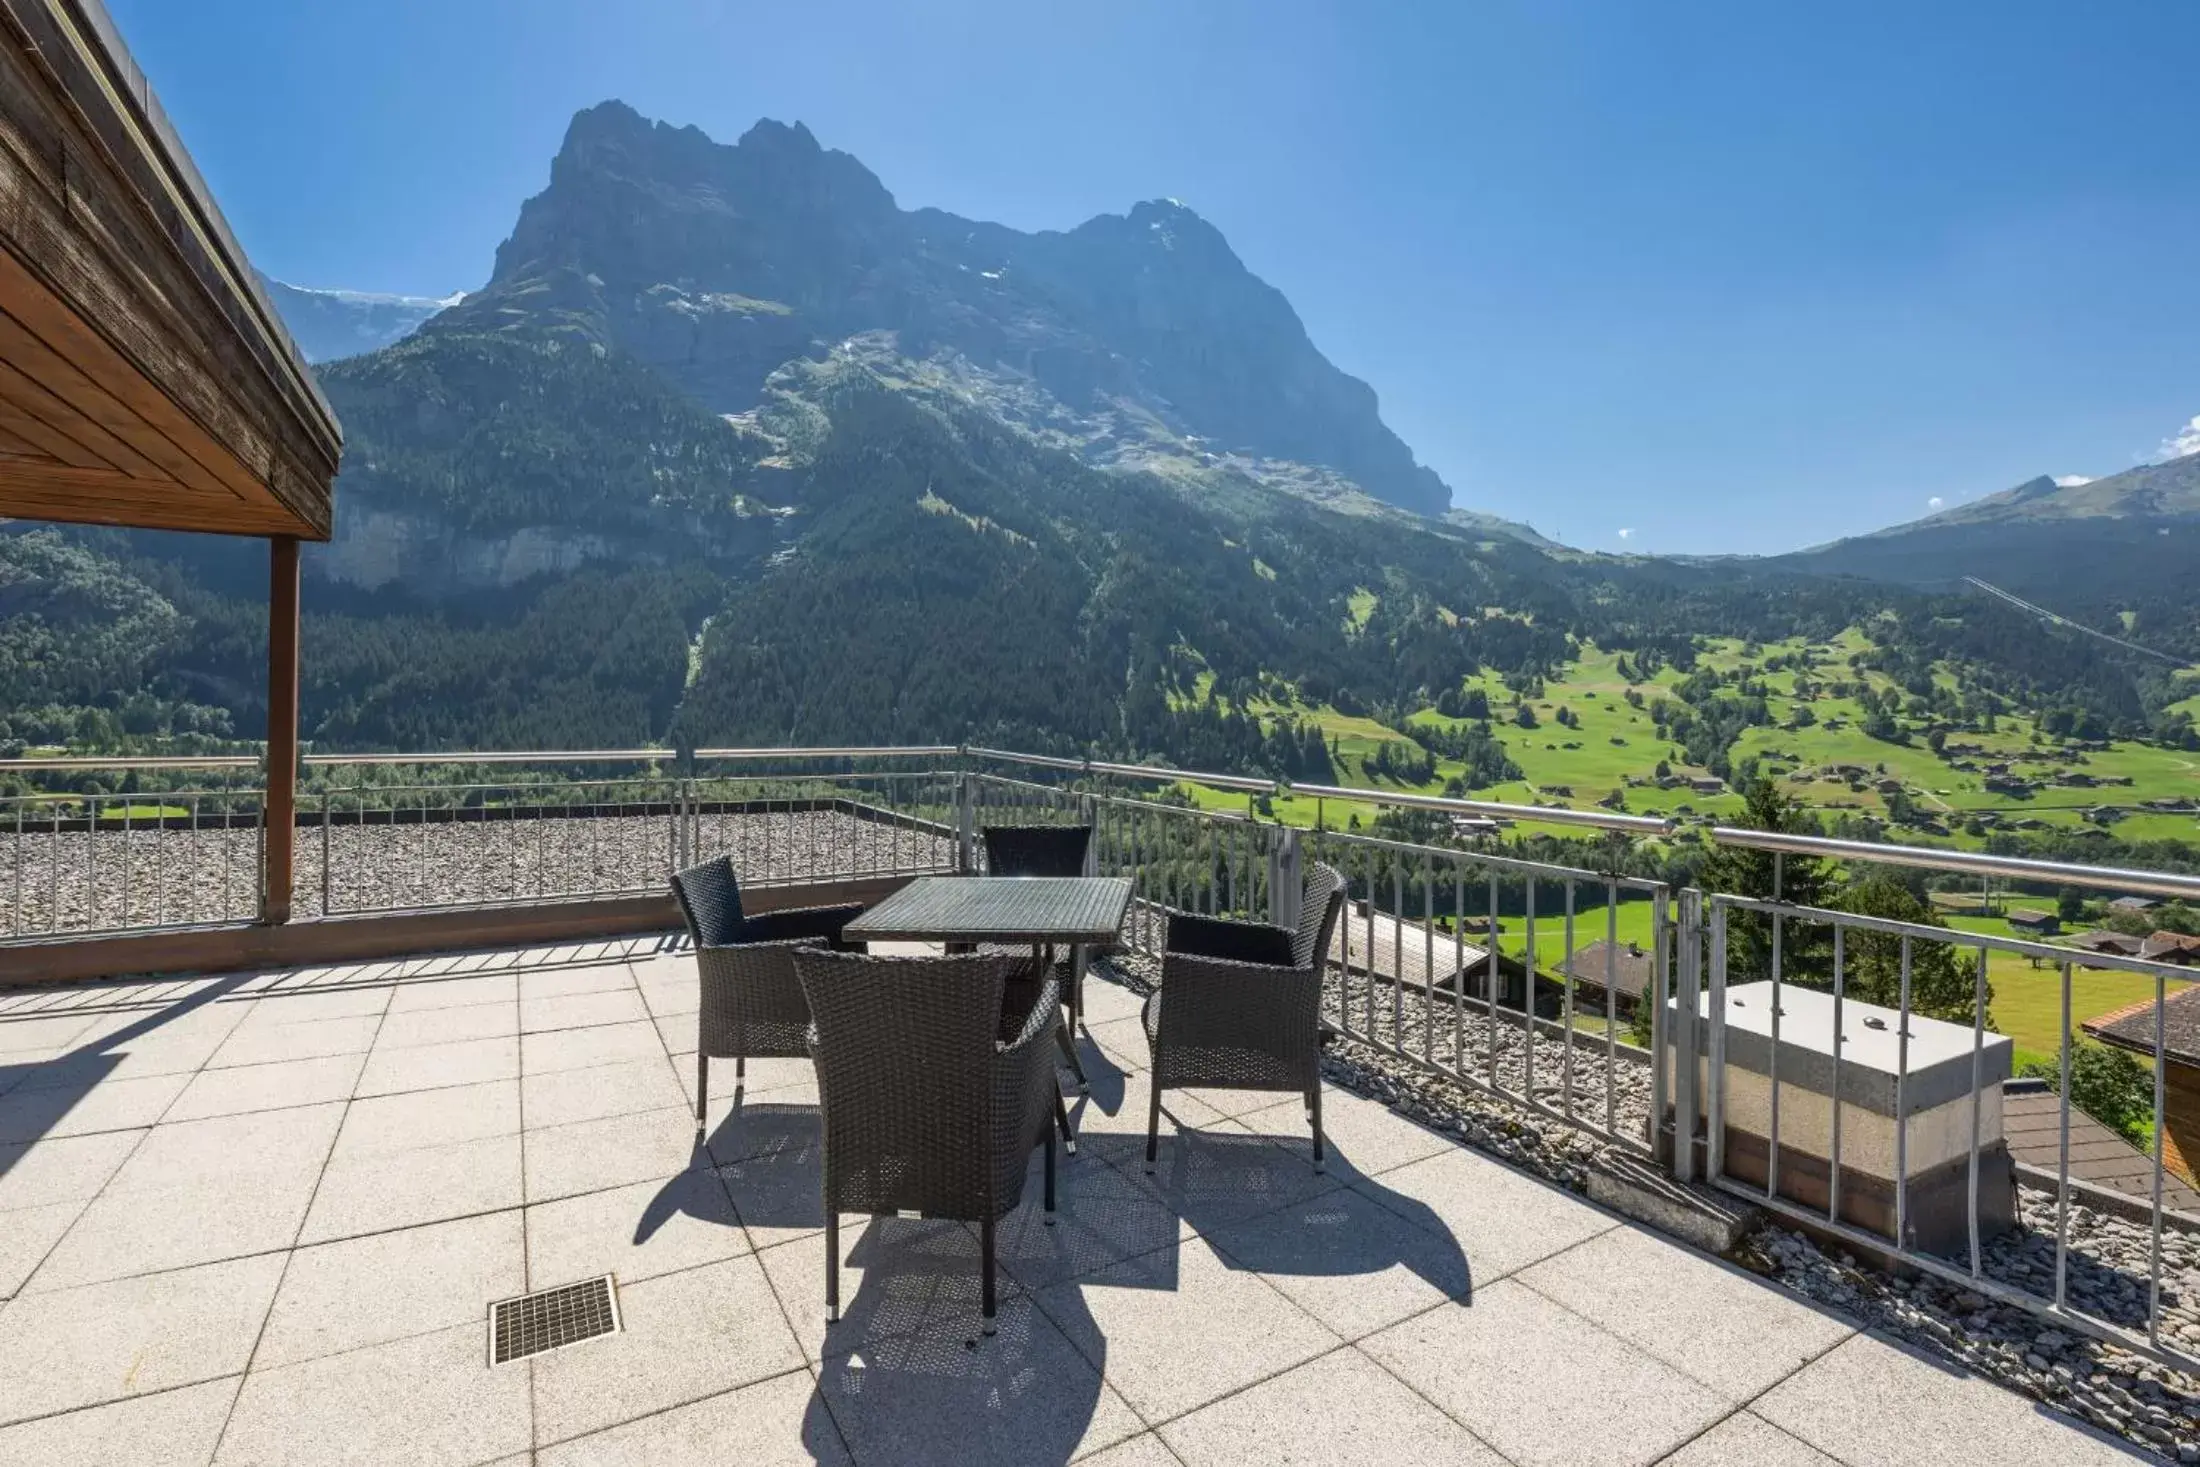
{"x": 144, "y": 378}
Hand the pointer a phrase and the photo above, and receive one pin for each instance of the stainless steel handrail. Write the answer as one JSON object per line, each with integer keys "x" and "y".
{"x": 1549, "y": 814}
{"x": 1247, "y": 783}
{"x": 1935, "y": 858}
{"x": 886, "y": 751}
{"x": 85, "y": 763}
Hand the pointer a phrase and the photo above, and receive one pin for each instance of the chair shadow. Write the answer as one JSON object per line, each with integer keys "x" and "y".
{"x": 908, "y": 1375}
{"x": 909, "y": 1378}
{"x": 767, "y": 1156}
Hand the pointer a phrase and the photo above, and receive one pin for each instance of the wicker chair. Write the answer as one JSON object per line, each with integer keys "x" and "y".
{"x": 926, "y": 1107}
{"x": 1239, "y": 1006}
{"x": 1046, "y": 850}
{"x": 751, "y": 1001}
{"x": 1036, "y": 850}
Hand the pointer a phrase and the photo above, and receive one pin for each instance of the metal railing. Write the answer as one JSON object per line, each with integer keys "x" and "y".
{"x": 1462, "y": 961}
{"x": 1835, "y": 953}
{"x": 177, "y": 844}
{"x": 1403, "y": 979}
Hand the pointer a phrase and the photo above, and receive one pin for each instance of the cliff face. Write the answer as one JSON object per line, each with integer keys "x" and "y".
{"x": 715, "y": 264}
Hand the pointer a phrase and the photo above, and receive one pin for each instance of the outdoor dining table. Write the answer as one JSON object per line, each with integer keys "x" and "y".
{"x": 1043, "y": 912}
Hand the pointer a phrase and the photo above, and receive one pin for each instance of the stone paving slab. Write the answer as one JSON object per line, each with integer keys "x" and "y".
{"x": 260, "y": 1219}
{"x": 1708, "y": 1320}
{"x": 1873, "y": 1400}
{"x": 1544, "y": 1386}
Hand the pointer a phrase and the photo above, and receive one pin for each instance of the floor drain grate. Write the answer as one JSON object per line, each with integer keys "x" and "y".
{"x": 552, "y": 1319}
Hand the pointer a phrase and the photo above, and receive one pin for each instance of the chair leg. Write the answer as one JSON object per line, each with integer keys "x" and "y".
{"x": 1153, "y": 1124}
{"x": 702, "y": 1087}
{"x": 832, "y": 1261}
{"x": 1069, "y": 1052}
{"x": 985, "y": 1248}
{"x": 1314, "y": 1113}
{"x": 1049, "y": 1219}
{"x": 1079, "y": 958}
{"x": 1061, "y": 1122}
{"x": 740, "y": 1068}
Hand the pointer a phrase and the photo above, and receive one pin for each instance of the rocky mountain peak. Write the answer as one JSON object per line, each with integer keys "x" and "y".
{"x": 717, "y": 263}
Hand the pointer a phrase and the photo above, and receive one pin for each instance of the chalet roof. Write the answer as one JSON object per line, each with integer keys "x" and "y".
{"x": 2170, "y": 947}
{"x": 144, "y": 378}
{"x": 2101, "y": 940}
{"x": 2032, "y": 1125}
{"x": 2032, "y": 919}
{"x": 1631, "y": 966}
{"x": 2132, "y": 1027}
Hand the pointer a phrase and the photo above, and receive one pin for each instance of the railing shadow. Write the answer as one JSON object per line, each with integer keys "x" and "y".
{"x": 37, "y": 1095}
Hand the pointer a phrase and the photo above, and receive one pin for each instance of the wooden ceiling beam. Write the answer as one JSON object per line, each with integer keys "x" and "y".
{"x": 140, "y": 334}
{"x": 35, "y": 398}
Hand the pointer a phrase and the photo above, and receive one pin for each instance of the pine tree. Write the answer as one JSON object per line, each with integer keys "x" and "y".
{"x": 1805, "y": 947}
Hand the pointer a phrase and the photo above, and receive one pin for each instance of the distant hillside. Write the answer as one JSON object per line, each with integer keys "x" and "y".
{"x": 2118, "y": 553}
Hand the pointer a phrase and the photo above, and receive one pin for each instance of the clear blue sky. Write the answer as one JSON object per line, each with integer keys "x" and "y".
{"x": 1732, "y": 276}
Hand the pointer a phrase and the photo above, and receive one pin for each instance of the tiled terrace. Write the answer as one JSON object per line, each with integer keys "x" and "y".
{"x": 258, "y": 1220}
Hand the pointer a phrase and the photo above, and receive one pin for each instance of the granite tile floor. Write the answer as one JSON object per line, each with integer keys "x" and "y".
{"x": 259, "y": 1219}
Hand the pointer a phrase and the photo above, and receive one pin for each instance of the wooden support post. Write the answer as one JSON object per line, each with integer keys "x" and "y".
{"x": 280, "y": 806}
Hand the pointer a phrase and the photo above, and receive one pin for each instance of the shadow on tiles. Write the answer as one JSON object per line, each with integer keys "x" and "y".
{"x": 908, "y": 1378}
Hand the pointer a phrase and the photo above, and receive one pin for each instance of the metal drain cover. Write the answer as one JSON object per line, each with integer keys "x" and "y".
{"x": 552, "y": 1319}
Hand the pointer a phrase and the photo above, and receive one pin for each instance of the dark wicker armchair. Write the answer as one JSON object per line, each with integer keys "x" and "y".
{"x": 751, "y": 1001}
{"x": 1239, "y": 1006}
{"x": 927, "y": 1107}
{"x": 1045, "y": 850}
{"x": 1036, "y": 850}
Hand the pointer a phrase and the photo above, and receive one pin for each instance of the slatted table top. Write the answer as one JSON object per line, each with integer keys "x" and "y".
{"x": 1005, "y": 909}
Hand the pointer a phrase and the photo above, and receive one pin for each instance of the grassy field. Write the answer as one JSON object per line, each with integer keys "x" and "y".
{"x": 1607, "y": 747}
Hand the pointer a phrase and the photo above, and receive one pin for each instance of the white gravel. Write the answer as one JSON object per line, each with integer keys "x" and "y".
{"x": 98, "y": 881}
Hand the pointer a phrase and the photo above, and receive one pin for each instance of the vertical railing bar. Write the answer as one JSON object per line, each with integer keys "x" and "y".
{"x": 1714, "y": 1126}
{"x": 129, "y": 809}
{"x": 1397, "y": 955}
{"x": 1458, "y": 966}
{"x": 258, "y": 819}
{"x": 1901, "y": 1104}
{"x": 1833, "y": 1185}
{"x": 53, "y": 872}
{"x": 1428, "y": 960}
{"x": 1527, "y": 998}
{"x": 91, "y": 866}
{"x": 160, "y": 861}
{"x": 1566, "y": 984}
{"x": 1230, "y": 863}
{"x": 2154, "y": 1241}
{"x": 1369, "y": 956}
{"x": 1491, "y": 969}
{"x": 1772, "y": 1067}
{"x": 2062, "y": 1158}
{"x": 1611, "y": 1006}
